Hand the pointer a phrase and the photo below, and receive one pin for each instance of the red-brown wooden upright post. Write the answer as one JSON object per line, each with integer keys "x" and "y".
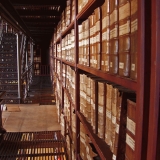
{"x": 154, "y": 115}
{"x": 143, "y": 78}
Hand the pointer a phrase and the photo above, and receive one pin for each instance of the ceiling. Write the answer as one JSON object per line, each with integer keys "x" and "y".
{"x": 39, "y": 16}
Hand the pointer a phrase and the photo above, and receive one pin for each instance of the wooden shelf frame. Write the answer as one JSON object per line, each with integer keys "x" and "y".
{"x": 100, "y": 145}
{"x": 146, "y": 87}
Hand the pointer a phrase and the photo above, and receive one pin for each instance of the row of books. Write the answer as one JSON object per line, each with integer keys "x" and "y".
{"x": 68, "y": 47}
{"x": 68, "y": 80}
{"x": 67, "y": 16}
{"x": 108, "y": 38}
{"x": 109, "y": 113}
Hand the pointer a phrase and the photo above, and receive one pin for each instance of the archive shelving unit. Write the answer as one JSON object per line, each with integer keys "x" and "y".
{"x": 146, "y": 86}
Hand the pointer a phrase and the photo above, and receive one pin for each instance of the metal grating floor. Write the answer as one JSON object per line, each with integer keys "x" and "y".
{"x": 46, "y": 145}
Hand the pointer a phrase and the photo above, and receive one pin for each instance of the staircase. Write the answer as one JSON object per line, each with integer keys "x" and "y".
{"x": 8, "y": 68}
{"x": 41, "y": 91}
{"x": 45, "y": 145}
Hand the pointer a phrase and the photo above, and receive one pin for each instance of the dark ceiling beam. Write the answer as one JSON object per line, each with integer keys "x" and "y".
{"x": 14, "y": 15}
{"x": 39, "y": 2}
{"x": 40, "y": 31}
{"x": 39, "y": 20}
{"x": 40, "y": 28}
{"x": 38, "y": 13}
{"x": 40, "y": 23}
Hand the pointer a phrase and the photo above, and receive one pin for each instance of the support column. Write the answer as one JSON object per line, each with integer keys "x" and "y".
{"x": 19, "y": 67}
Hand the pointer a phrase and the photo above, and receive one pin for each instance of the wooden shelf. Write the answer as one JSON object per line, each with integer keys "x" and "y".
{"x": 89, "y": 9}
{"x": 122, "y": 81}
{"x": 57, "y": 58}
{"x": 68, "y": 63}
{"x": 71, "y": 26}
{"x": 69, "y": 96}
{"x": 68, "y": 29}
{"x": 100, "y": 145}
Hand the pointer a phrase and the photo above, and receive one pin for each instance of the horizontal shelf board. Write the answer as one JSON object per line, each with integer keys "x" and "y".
{"x": 69, "y": 63}
{"x": 122, "y": 81}
{"x": 69, "y": 97}
{"x": 100, "y": 145}
{"x": 59, "y": 59}
{"x": 89, "y": 9}
{"x": 68, "y": 29}
{"x": 58, "y": 40}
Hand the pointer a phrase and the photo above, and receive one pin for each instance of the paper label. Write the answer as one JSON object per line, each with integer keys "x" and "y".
{"x": 109, "y": 114}
{"x": 97, "y": 26}
{"x": 106, "y": 63}
{"x": 113, "y": 17}
{"x": 104, "y": 36}
{"x": 98, "y": 37}
{"x": 133, "y": 67}
{"x": 111, "y": 64}
{"x": 100, "y": 109}
{"x": 114, "y": 32}
{"x": 113, "y": 119}
{"x": 131, "y": 126}
{"x": 134, "y": 25}
{"x": 124, "y": 11}
{"x": 130, "y": 142}
{"x": 114, "y": 157}
{"x": 102, "y": 62}
{"x": 117, "y": 128}
{"x": 124, "y": 29}
{"x": 121, "y": 65}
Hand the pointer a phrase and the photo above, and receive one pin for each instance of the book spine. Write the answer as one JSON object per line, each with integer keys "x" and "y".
{"x": 105, "y": 37}
{"x": 113, "y": 116}
{"x": 113, "y": 50}
{"x": 124, "y": 38}
{"x": 130, "y": 131}
{"x": 108, "y": 114}
{"x": 91, "y": 38}
{"x": 93, "y": 104}
{"x": 134, "y": 39}
{"x": 101, "y": 110}
{"x": 80, "y": 43}
{"x": 98, "y": 37}
{"x": 118, "y": 113}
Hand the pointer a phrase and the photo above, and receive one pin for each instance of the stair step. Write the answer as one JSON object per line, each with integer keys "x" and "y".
{"x": 26, "y": 145}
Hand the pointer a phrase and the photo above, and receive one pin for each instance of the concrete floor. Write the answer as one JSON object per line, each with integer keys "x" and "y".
{"x": 31, "y": 117}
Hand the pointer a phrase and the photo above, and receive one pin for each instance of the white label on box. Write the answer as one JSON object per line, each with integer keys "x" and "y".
{"x": 124, "y": 29}
{"x": 113, "y": 119}
{"x": 102, "y": 62}
{"x": 131, "y": 126}
{"x": 104, "y": 23}
{"x": 124, "y": 11}
{"x": 114, "y": 157}
{"x": 104, "y": 36}
{"x": 109, "y": 114}
{"x": 106, "y": 63}
{"x": 130, "y": 142}
{"x": 113, "y": 17}
{"x": 98, "y": 37}
{"x": 100, "y": 109}
{"x": 121, "y": 65}
{"x": 134, "y": 25}
{"x": 133, "y": 67}
{"x": 114, "y": 32}
{"x": 117, "y": 128}
{"x": 111, "y": 64}
{"x": 94, "y": 39}
{"x": 87, "y": 149}
{"x": 98, "y": 26}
